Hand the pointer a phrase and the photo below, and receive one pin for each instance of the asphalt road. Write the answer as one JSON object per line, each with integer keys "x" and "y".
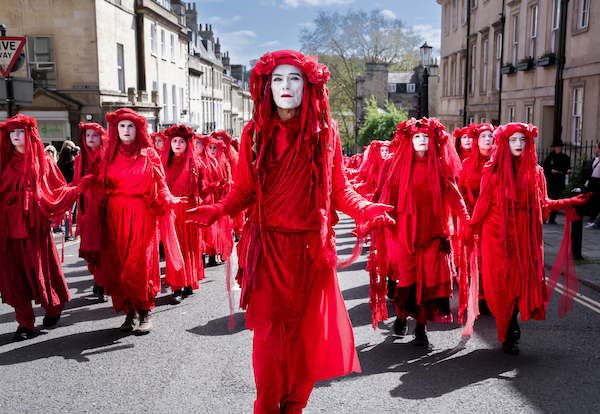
{"x": 191, "y": 363}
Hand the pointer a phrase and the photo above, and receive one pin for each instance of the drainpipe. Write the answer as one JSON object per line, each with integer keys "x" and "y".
{"x": 560, "y": 65}
{"x": 467, "y": 66}
{"x": 503, "y": 20}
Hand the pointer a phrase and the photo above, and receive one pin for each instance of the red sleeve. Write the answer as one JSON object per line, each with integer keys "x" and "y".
{"x": 244, "y": 188}
{"x": 54, "y": 194}
{"x": 383, "y": 174}
{"x": 488, "y": 185}
{"x": 162, "y": 190}
{"x": 343, "y": 197}
{"x": 456, "y": 201}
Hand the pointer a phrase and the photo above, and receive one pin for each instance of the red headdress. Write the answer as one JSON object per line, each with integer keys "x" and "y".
{"x": 458, "y": 134}
{"x": 186, "y": 165}
{"x": 34, "y": 165}
{"x": 230, "y": 151}
{"x": 142, "y": 138}
{"x": 87, "y": 156}
{"x": 442, "y": 164}
{"x": 153, "y": 138}
{"x": 471, "y": 164}
{"x": 315, "y": 125}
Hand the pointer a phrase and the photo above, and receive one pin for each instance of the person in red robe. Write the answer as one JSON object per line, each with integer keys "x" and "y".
{"x": 32, "y": 191}
{"x": 184, "y": 179}
{"x": 136, "y": 194}
{"x": 463, "y": 142}
{"x": 416, "y": 251}
{"x": 508, "y": 216}
{"x": 291, "y": 181}
{"x": 158, "y": 139}
{"x": 93, "y": 138}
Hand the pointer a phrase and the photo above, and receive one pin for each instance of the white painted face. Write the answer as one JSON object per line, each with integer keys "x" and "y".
{"x": 159, "y": 143}
{"x": 198, "y": 147}
{"x": 213, "y": 149}
{"x": 179, "y": 146}
{"x": 287, "y": 86}
{"x": 93, "y": 139}
{"x": 384, "y": 151}
{"x": 420, "y": 141}
{"x": 485, "y": 140}
{"x": 466, "y": 142}
{"x": 516, "y": 143}
{"x": 127, "y": 131}
{"x": 17, "y": 137}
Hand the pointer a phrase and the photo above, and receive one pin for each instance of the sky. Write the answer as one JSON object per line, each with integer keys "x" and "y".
{"x": 250, "y": 28}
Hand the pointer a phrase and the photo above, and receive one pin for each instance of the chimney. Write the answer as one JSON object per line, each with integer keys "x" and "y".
{"x": 191, "y": 16}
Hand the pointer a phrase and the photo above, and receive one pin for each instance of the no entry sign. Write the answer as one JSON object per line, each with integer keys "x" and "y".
{"x": 10, "y": 47}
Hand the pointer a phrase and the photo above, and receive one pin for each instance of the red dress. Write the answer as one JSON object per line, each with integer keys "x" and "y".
{"x": 289, "y": 284}
{"x": 29, "y": 264}
{"x": 136, "y": 190}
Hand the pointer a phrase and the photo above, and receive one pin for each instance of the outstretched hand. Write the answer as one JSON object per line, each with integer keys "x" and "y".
{"x": 581, "y": 199}
{"x": 85, "y": 182}
{"x": 203, "y": 216}
{"x": 376, "y": 214}
{"x": 177, "y": 200}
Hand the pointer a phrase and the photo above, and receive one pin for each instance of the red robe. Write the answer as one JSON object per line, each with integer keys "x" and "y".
{"x": 136, "y": 189}
{"x": 29, "y": 263}
{"x": 189, "y": 237}
{"x": 417, "y": 250}
{"x": 89, "y": 225}
{"x": 514, "y": 277}
{"x": 294, "y": 305}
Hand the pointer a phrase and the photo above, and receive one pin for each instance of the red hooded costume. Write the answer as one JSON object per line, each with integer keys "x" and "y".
{"x": 291, "y": 181}
{"x": 416, "y": 252}
{"x": 89, "y": 225}
{"x": 508, "y": 215}
{"x": 32, "y": 191}
{"x": 136, "y": 194}
{"x": 184, "y": 179}
{"x": 458, "y": 134}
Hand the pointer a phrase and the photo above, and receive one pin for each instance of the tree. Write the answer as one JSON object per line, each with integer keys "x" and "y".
{"x": 379, "y": 124}
{"x": 345, "y": 43}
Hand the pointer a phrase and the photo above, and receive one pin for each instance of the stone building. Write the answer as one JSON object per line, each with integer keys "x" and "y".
{"x": 90, "y": 58}
{"x": 508, "y": 67}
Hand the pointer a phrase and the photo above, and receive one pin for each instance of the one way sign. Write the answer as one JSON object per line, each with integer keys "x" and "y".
{"x": 10, "y": 47}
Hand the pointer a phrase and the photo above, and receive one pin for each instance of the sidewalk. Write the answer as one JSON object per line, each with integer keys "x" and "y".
{"x": 588, "y": 270}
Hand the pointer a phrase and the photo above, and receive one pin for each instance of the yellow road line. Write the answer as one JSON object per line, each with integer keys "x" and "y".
{"x": 583, "y": 302}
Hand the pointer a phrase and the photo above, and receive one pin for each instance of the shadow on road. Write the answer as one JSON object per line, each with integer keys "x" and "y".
{"x": 77, "y": 347}
{"x": 218, "y": 327}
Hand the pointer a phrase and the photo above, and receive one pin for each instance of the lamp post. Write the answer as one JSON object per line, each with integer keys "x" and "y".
{"x": 425, "y": 62}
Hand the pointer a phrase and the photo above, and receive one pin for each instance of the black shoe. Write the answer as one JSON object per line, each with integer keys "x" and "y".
{"x": 101, "y": 296}
{"x": 23, "y": 334}
{"x": 177, "y": 297}
{"x": 69, "y": 238}
{"x": 510, "y": 348}
{"x": 483, "y": 308}
{"x": 514, "y": 332}
{"x": 400, "y": 326}
{"x": 51, "y": 321}
{"x": 95, "y": 289}
{"x": 212, "y": 260}
{"x": 187, "y": 291}
{"x": 420, "y": 336}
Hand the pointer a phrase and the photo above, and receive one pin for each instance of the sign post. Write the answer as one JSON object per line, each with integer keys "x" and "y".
{"x": 10, "y": 48}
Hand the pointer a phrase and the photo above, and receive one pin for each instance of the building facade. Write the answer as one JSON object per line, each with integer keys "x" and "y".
{"x": 527, "y": 61}
{"x": 90, "y": 58}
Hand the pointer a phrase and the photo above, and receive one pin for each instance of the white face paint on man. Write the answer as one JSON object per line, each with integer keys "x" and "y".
{"x": 17, "y": 137}
{"x": 466, "y": 142}
{"x": 516, "y": 143}
{"x": 287, "y": 86}
{"x": 93, "y": 139}
{"x": 127, "y": 131}
{"x": 485, "y": 140}
{"x": 420, "y": 142}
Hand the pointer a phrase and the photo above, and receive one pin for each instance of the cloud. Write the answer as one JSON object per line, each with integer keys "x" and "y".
{"x": 209, "y": 1}
{"x": 239, "y": 45}
{"x": 310, "y": 26}
{"x": 432, "y": 36}
{"x": 223, "y": 22}
{"x": 389, "y": 14}
{"x": 271, "y": 43}
{"x": 292, "y": 4}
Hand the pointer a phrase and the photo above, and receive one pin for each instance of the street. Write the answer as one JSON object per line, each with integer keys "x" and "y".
{"x": 191, "y": 363}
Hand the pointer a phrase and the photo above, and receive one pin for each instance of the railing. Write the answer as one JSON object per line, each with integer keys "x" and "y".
{"x": 581, "y": 156}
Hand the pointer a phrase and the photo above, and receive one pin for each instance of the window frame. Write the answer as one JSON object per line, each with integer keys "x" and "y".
{"x": 533, "y": 29}
{"x": 121, "y": 68}
{"x": 577, "y": 115}
{"x": 515, "y": 39}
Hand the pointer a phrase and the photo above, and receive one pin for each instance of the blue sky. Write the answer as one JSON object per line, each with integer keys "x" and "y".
{"x": 250, "y": 28}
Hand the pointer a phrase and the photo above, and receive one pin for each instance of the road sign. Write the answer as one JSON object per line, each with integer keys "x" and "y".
{"x": 10, "y": 48}
{"x": 21, "y": 88}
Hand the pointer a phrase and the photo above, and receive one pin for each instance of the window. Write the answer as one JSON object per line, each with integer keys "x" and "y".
{"x": 466, "y": 11}
{"x": 455, "y": 16}
{"x": 120, "y": 72}
{"x": 154, "y": 86}
{"x": 391, "y": 87}
{"x": 482, "y": 120}
{"x": 174, "y": 104}
{"x": 454, "y": 78}
{"x": 165, "y": 103}
{"x": 533, "y": 31}
{"x": 181, "y": 105}
{"x": 447, "y": 19}
{"x": 515, "y": 39}
{"x": 555, "y": 24}
{"x": 583, "y": 14}
{"x": 43, "y": 69}
{"x": 410, "y": 87}
{"x": 529, "y": 114}
{"x": 153, "y": 38}
{"x": 181, "y": 55}
{"x": 463, "y": 74}
{"x": 474, "y": 2}
{"x": 498, "y": 61}
{"x": 163, "y": 52}
{"x": 472, "y": 74}
{"x": 446, "y": 79}
{"x": 471, "y": 120}
{"x": 173, "y": 48}
{"x": 485, "y": 66}
{"x": 577, "y": 116}
{"x": 511, "y": 114}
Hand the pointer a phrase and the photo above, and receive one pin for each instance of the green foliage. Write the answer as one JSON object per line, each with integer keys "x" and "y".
{"x": 380, "y": 124}
{"x": 576, "y": 176}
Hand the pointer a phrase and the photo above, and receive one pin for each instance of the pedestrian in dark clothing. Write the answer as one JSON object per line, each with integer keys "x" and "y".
{"x": 66, "y": 162}
{"x": 556, "y": 167}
